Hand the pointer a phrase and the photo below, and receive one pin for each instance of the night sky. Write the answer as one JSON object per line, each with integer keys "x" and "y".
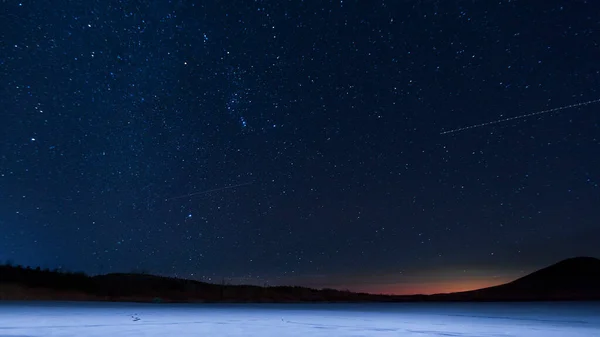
{"x": 301, "y": 142}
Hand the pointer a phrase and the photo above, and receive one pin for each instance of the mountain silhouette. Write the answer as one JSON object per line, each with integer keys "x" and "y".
{"x": 576, "y": 278}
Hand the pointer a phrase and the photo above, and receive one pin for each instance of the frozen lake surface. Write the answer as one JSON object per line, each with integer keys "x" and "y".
{"x": 59, "y": 319}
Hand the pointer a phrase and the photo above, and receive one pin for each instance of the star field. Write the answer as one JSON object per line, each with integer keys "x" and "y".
{"x": 299, "y": 142}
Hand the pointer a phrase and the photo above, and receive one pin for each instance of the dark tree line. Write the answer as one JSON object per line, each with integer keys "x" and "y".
{"x": 146, "y": 287}
{"x": 38, "y": 277}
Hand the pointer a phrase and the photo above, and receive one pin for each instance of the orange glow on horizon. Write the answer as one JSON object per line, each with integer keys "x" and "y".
{"x": 423, "y": 282}
{"x": 429, "y": 288}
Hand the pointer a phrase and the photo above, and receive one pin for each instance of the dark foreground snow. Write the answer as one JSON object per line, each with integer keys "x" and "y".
{"x": 328, "y": 320}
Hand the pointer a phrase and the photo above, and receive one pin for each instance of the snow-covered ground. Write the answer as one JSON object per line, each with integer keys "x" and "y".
{"x": 28, "y": 319}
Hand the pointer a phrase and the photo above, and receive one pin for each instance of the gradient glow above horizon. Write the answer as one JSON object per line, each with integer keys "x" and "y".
{"x": 298, "y": 142}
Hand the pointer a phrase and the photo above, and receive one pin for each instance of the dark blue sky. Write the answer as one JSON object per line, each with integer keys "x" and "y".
{"x": 308, "y": 133}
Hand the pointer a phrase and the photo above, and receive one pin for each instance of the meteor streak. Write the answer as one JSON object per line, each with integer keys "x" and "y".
{"x": 520, "y": 117}
{"x": 207, "y": 191}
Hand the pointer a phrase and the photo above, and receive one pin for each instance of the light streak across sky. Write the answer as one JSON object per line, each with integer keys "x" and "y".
{"x": 207, "y": 191}
{"x": 520, "y": 117}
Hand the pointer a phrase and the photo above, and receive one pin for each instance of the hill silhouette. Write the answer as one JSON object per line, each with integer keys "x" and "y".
{"x": 571, "y": 279}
